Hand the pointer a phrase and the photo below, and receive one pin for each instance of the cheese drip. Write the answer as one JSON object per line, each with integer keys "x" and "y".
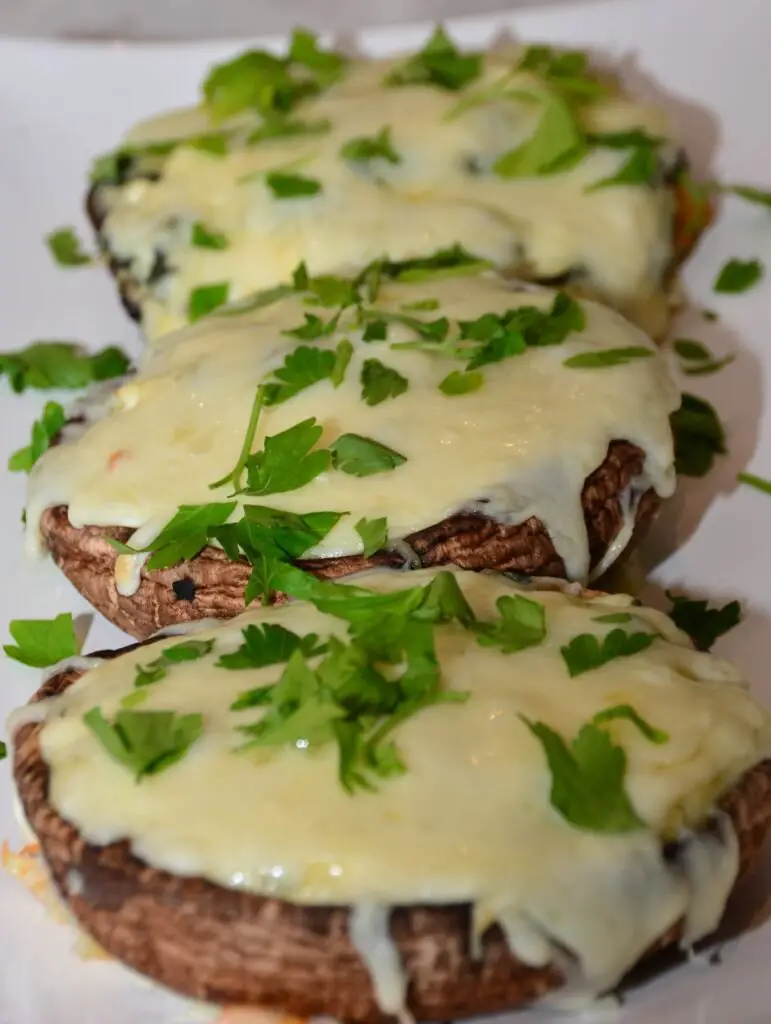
{"x": 616, "y": 242}
{"x": 522, "y": 445}
{"x": 471, "y": 819}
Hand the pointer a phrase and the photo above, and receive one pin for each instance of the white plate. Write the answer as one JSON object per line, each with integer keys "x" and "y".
{"x": 708, "y": 60}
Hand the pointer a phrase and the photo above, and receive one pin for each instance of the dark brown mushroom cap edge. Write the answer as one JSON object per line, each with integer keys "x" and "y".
{"x": 212, "y": 586}
{"x": 233, "y": 947}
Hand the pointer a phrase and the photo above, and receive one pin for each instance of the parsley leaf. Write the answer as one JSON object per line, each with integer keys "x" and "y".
{"x": 205, "y": 239}
{"x": 628, "y": 713}
{"x": 205, "y": 299}
{"x": 343, "y": 353}
{"x": 286, "y": 126}
{"x": 313, "y": 328}
{"x": 155, "y": 671}
{"x": 373, "y": 147}
{"x": 439, "y": 63}
{"x": 147, "y": 742}
{"x": 587, "y": 779}
{"x": 361, "y": 456}
{"x": 522, "y": 624}
{"x": 565, "y": 71}
{"x": 641, "y": 166}
{"x": 66, "y": 249}
{"x": 258, "y": 80}
{"x": 556, "y": 143}
{"x": 738, "y": 276}
{"x": 454, "y": 261}
{"x": 302, "y": 368}
{"x": 614, "y": 617}
{"x": 187, "y": 533}
{"x": 586, "y": 651}
{"x": 698, "y": 435}
{"x": 460, "y": 383}
{"x": 698, "y": 358}
{"x": 379, "y": 382}
{"x": 607, "y": 357}
{"x": 268, "y": 644}
{"x": 286, "y": 461}
{"x": 60, "y": 364}
{"x": 43, "y": 642}
{"x": 373, "y": 534}
{"x": 3, "y": 751}
{"x": 304, "y": 49}
{"x": 291, "y": 186}
{"x": 44, "y": 431}
{"x": 703, "y": 624}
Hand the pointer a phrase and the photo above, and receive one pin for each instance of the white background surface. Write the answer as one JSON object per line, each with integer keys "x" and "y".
{"x": 708, "y": 60}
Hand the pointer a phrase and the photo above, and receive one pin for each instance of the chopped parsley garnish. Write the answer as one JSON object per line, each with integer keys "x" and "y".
{"x": 522, "y": 624}
{"x": 346, "y": 699}
{"x": 326, "y": 65}
{"x": 373, "y": 147}
{"x": 361, "y": 456}
{"x": 566, "y": 71}
{"x": 284, "y": 127}
{"x": 379, "y": 382}
{"x": 421, "y": 304}
{"x": 206, "y": 298}
{"x": 607, "y": 357}
{"x": 757, "y": 482}
{"x": 267, "y": 537}
{"x": 587, "y": 651}
{"x": 155, "y": 671}
{"x": 556, "y": 144}
{"x": 697, "y": 358}
{"x": 588, "y": 774}
{"x": 616, "y": 617}
{"x": 493, "y": 337}
{"x": 205, "y": 239}
{"x": 259, "y": 300}
{"x": 286, "y": 461}
{"x": 302, "y": 368}
{"x": 625, "y": 712}
{"x": 3, "y": 751}
{"x": 451, "y": 262}
{"x": 738, "y": 276}
{"x": 185, "y": 535}
{"x": 315, "y": 327}
{"x": 343, "y": 353}
{"x": 373, "y": 534}
{"x": 146, "y": 742}
{"x": 703, "y": 624}
{"x": 60, "y": 364}
{"x": 43, "y": 642}
{"x": 698, "y": 434}
{"x": 66, "y": 248}
{"x": 291, "y": 186}
{"x": 641, "y": 166}
{"x": 461, "y": 383}
{"x": 44, "y": 431}
{"x": 439, "y": 63}
{"x": 268, "y": 644}
{"x": 272, "y": 86}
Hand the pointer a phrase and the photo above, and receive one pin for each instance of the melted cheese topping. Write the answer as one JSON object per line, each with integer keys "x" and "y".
{"x": 471, "y": 818}
{"x": 615, "y": 241}
{"x": 522, "y": 445}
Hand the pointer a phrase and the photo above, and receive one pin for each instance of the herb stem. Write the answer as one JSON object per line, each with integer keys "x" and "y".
{"x": 755, "y": 481}
{"x": 246, "y": 447}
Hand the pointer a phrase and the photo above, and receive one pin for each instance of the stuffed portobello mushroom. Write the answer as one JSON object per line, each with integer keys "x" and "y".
{"x": 347, "y": 423}
{"x": 424, "y": 796}
{"x": 523, "y": 155}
